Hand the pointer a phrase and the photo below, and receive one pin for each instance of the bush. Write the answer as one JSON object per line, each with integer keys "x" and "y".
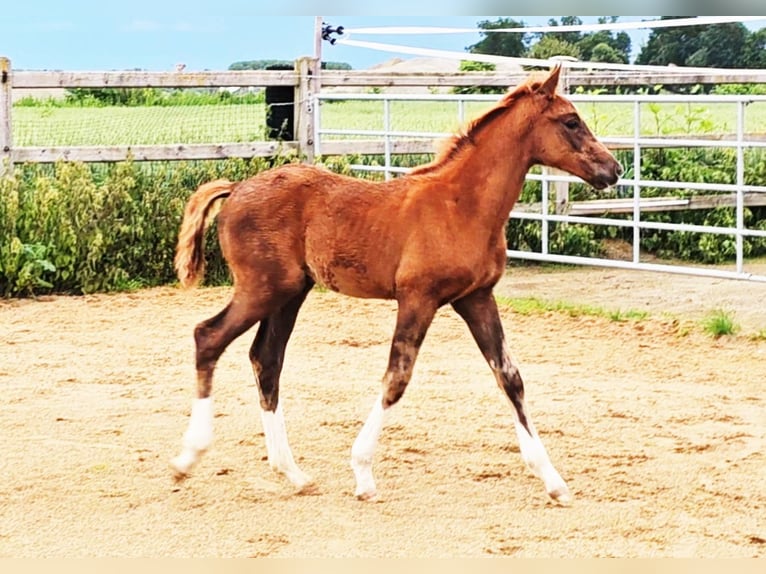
{"x": 76, "y": 228}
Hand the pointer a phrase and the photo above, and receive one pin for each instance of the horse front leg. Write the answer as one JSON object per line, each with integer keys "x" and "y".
{"x": 479, "y": 311}
{"x": 413, "y": 319}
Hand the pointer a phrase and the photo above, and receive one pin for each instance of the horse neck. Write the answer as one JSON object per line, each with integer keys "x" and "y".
{"x": 489, "y": 174}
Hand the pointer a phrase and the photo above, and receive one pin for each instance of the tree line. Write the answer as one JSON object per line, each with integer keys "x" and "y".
{"x": 730, "y": 45}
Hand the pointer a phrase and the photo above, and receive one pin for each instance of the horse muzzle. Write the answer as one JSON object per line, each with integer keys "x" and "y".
{"x": 608, "y": 176}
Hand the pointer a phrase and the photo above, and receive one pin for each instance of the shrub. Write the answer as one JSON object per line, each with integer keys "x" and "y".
{"x": 76, "y": 228}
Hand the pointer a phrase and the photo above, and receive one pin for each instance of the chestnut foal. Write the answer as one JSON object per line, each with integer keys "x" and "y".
{"x": 293, "y": 226}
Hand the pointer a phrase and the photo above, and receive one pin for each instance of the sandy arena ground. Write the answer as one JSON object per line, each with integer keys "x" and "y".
{"x": 658, "y": 429}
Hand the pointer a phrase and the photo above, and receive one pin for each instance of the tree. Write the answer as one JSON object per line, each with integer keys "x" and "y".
{"x": 604, "y": 45}
{"x": 571, "y": 37}
{"x": 601, "y": 46}
{"x": 720, "y": 46}
{"x": 670, "y": 45}
{"x": 754, "y": 52}
{"x": 549, "y": 46}
{"x": 508, "y": 44}
{"x": 603, "y": 52}
{"x": 708, "y": 45}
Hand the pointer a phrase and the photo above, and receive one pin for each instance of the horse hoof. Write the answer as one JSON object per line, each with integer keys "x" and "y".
{"x": 179, "y": 477}
{"x": 367, "y": 496}
{"x": 179, "y": 472}
{"x": 308, "y": 489}
{"x": 561, "y": 496}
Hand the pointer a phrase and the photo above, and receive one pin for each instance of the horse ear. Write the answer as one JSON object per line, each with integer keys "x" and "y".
{"x": 550, "y": 85}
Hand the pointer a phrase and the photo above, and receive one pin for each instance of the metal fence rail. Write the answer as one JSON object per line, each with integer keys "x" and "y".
{"x": 637, "y": 142}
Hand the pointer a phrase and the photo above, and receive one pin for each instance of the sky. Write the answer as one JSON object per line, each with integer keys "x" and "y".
{"x": 81, "y": 35}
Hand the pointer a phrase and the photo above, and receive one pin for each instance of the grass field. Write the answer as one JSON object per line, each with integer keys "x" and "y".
{"x": 88, "y": 126}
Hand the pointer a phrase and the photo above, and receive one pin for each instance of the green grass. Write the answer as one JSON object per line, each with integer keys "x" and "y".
{"x": 719, "y": 323}
{"x": 58, "y": 126}
{"x": 604, "y": 118}
{"x": 137, "y": 125}
{"x": 531, "y": 305}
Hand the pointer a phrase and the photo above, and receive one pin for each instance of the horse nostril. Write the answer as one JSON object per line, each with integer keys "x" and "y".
{"x": 619, "y": 170}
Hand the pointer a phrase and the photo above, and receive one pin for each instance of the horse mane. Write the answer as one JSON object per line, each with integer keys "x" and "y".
{"x": 465, "y": 136}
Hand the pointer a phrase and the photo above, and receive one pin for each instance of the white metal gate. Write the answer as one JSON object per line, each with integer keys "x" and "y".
{"x": 738, "y": 139}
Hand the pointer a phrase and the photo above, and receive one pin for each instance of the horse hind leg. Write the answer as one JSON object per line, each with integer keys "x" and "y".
{"x": 267, "y": 356}
{"x": 480, "y": 313}
{"x": 211, "y": 338}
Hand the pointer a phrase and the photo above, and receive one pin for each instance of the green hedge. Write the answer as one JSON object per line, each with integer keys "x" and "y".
{"x": 77, "y": 228}
{"x": 82, "y": 228}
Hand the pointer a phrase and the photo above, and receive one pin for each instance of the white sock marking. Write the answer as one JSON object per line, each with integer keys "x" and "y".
{"x": 532, "y": 450}
{"x": 198, "y": 436}
{"x": 534, "y": 454}
{"x": 363, "y": 451}
{"x": 278, "y": 449}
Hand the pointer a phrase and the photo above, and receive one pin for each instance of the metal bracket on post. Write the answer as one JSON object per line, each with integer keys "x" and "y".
{"x": 5, "y": 116}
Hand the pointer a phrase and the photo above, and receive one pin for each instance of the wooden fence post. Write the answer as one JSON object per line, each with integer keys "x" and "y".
{"x": 5, "y": 116}
{"x": 308, "y": 86}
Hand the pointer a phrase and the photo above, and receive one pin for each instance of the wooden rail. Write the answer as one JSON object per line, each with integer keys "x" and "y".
{"x": 649, "y": 204}
{"x": 305, "y": 78}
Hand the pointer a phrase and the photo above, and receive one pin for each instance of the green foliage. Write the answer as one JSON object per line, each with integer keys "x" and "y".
{"x": 30, "y": 264}
{"x": 605, "y": 46}
{"x": 729, "y": 45}
{"x": 720, "y": 46}
{"x": 474, "y": 66}
{"x": 739, "y": 89}
{"x": 563, "y": 238}
{"x": 282, "y": 64}
{"x": 106, "y": 97}
{"x": 719, "y": 323}
{"x": 501, "y": 44}
{"x": 754, "y": 55}
{"x": 670, "y": 45}
{"x": 550, "y": 46}
{"x": 603, "y": 52}
{"x": 74, "y": 228}
{"x": 569, "y": 37}
{"x": 602, "y": 46}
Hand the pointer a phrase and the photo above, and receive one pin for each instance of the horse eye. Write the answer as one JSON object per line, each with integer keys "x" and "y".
{"x": 572, "y": 123}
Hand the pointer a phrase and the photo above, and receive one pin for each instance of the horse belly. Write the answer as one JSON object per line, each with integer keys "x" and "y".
{"x": 349, "y": 277}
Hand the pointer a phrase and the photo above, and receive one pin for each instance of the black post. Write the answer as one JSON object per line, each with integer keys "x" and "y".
{"x": 280, "y": 108}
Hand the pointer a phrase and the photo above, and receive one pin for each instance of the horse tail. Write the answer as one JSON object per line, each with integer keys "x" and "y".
{"x": 190, "y": 256}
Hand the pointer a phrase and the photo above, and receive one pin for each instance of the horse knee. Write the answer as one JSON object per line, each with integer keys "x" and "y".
{"x": 269, "y": 400}
{"x": 206, "y": 349}
{"x": 393, "y": 392}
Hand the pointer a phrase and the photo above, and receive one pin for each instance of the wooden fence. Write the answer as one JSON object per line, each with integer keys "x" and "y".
{"x": 306, "y": 78}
